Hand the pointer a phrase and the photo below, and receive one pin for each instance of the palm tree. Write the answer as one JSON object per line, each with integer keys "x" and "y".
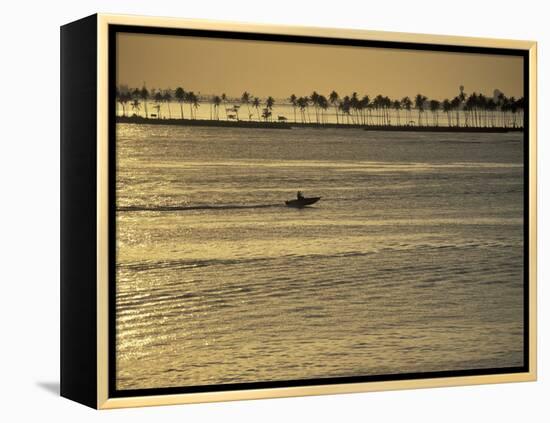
{"x": 378, "y": 104}
{"x": 384, "y": 103}
{"x": 180, "y": 97}
{"x": 267, "y": 111}
{"x": 491, "y": 106}
{"x": 167, "y": 97}
{"x": 455, "y": 105}
{"x": 144, "y": 95}
{"x": 269, "y": 102}
{"x": 396, "y": 104}
{"x": 513, "y": 108}
{"x": 323, "y": 105}
{"x": 471, "y": 107}
{"x": 195, "y": 103}
{"x": 461, "y": 99}
{"x": 467, "y": 109}
{"x": 387, "y": 106}
{"x": 157, "y": 97}
{"x": 520, "y": 106}
{"x": 447, "y": 107}
{"x": 314, "y": 98}
{"x": 504, "y": 108}
{"x": 136, "y": 106}
{"x": 122, "y": 98}
{"x": 188, "y": 99}
{"x": 216, "y": 100}
{"x": 127, "y": 99}
{"x": 294, "y": 101}
{"x": 365, "y": 105}
{"x": 333, "y": 98}
{"x": 224, "y": 100}
{"x": 256, "y": 104}
{"x": 245, "y": 99}
{"x": 482, "y": 106}
{"x": 406, "y": 103}
{"x": 308, "y": 101}
{"x": 462, "y": 95}
{"x": 359, "y": 112}
{"x": 500, "y": 102}
{"x": 419, "y": 101}
{"x": 191, "y": 98}
{"x": 507, "y": 108}
{"x": 354, "y": 105}
{"x": 345, "y": 107}
{"x": 302, "y": 104}
{"x": 434, "y": 108}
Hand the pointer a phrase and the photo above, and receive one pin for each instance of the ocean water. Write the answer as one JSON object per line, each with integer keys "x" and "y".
{"x": 412, "y": 261}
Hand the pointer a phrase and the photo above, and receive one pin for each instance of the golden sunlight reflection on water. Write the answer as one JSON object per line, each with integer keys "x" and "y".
{"x": 412, "y": 260}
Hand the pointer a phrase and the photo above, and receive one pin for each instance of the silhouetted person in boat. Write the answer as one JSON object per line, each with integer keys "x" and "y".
{"x": 299, "y": 195}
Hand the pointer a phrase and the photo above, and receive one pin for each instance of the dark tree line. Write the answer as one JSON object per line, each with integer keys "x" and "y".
{"x": 473, "y": 110}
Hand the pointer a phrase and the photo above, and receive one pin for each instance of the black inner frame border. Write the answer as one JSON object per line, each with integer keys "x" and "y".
{"x": 113, "y": 392}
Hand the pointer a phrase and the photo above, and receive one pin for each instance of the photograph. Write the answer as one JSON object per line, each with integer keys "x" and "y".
{"x": 299, "y": 210}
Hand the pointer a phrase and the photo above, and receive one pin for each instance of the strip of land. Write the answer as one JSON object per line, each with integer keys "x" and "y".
{"x": 289, "y": 125}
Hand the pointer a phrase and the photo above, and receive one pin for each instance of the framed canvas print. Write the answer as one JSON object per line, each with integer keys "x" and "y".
{"x": 254, "y": 211}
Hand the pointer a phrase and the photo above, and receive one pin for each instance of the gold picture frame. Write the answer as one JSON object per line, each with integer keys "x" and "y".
{"x": 85, "y": 375}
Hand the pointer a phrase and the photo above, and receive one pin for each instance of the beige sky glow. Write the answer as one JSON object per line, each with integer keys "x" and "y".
{"x": 215, "y": 66}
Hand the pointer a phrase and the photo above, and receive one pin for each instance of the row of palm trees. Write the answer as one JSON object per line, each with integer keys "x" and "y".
{"x": 477, "y": 110}
{"x": 473, "y": 110}
{"x": 135, "y": 98}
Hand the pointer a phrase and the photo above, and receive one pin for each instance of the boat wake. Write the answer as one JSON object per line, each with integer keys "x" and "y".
{"x": 197, "y": 207}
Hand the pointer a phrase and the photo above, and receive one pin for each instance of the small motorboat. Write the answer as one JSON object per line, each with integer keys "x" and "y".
{"x": 302, "y": 202}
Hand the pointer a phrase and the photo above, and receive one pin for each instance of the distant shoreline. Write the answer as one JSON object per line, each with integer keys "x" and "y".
{"x": 289, "y": 125}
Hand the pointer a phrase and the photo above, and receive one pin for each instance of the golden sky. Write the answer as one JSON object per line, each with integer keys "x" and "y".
{"x": 215, "y": 66}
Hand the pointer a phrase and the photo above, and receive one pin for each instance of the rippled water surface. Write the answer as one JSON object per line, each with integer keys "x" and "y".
{"x": 411, "y": 262}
